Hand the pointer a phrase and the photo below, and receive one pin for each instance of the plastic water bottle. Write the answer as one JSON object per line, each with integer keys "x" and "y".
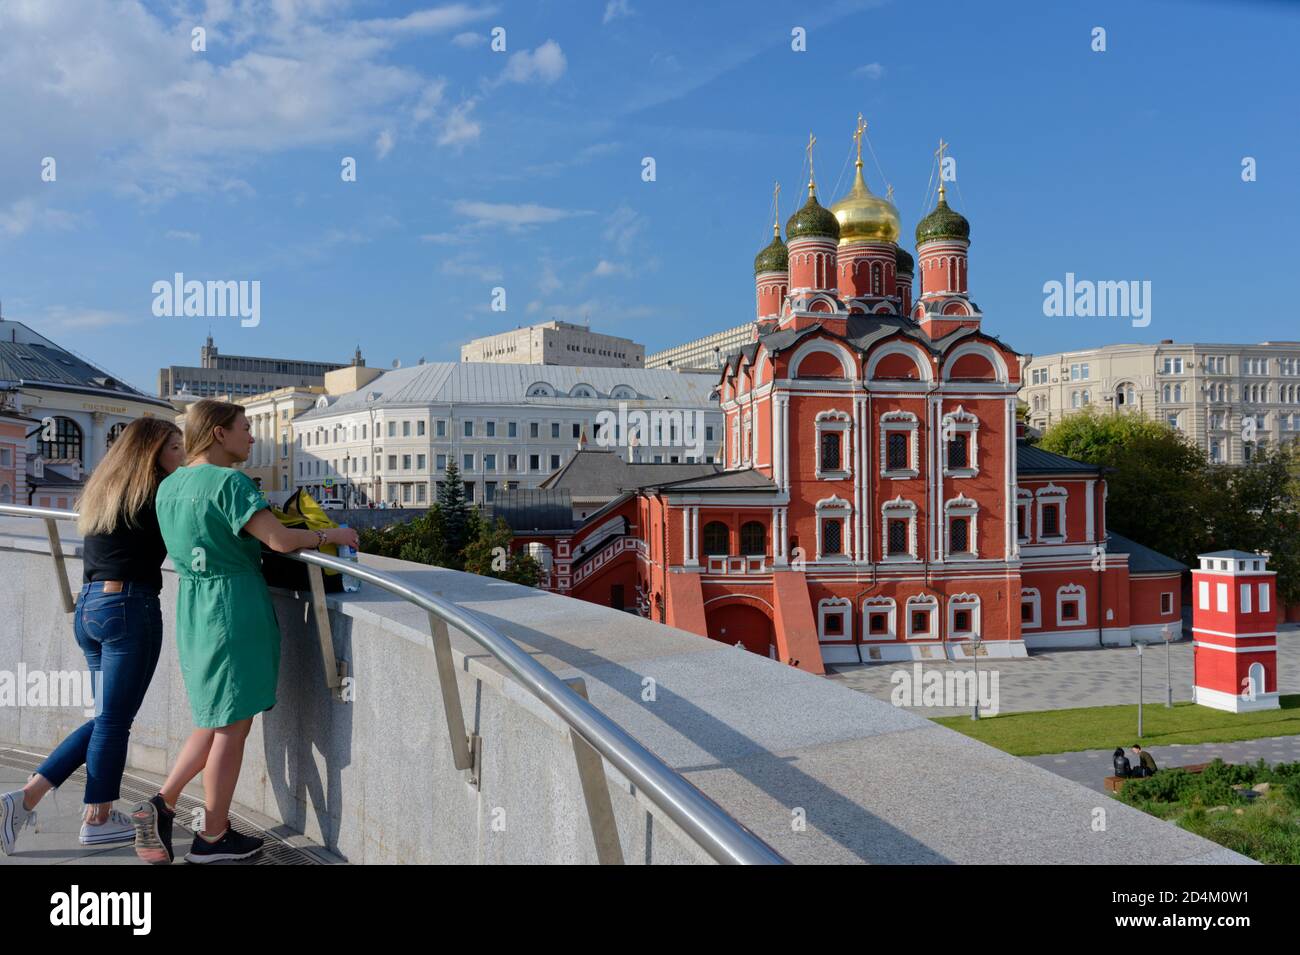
{"x": 350, "y": 584}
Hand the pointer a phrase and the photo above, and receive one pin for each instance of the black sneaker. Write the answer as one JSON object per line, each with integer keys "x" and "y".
{"x": 233, "y": 845}
{"x": 153, "y": 831}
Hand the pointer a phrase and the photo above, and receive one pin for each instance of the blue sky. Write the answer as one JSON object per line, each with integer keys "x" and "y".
{"x": 522, "y": 169}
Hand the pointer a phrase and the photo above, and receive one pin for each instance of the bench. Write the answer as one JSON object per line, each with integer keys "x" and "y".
{"x": 1114, "y": 784}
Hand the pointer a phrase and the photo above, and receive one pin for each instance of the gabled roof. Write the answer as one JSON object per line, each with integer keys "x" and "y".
{"x": 1233, "y": 555}
{"x": 748, "y": 480}
{"x": 1142, "y": 559}
{"x": 1031, "y": 459}
{"x": 600, "y": 472}
{"x": 29, "y": 357}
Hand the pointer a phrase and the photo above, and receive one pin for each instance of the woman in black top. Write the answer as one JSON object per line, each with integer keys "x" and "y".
{"x": 118, "y": 625}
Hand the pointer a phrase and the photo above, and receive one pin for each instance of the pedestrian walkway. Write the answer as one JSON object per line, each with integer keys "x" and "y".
{"x": 1064, "y": 679}
{"x": 58, "y": 822}
{"x": 1090, "y": 767}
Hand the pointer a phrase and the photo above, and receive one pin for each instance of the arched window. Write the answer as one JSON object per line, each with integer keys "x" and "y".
{"x": 113, "y": 433}
{"x": 716, "y": 542}
{"x": 753, "y": 539}
{"x": 66, "y": 441}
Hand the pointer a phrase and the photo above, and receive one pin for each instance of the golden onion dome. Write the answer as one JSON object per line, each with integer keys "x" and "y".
{"x": 865, "y": 217}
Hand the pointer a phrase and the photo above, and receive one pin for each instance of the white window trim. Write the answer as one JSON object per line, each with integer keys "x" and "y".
{"x": 1170, "y": 611}
{"x": 969, "y": 602}
{"x": 1263, "y": 597}
{"x": 835, "y": 606}
{"x": 1072, "y": 592}
{"x": 1024, "y": 499}
{"x": 898, "y": 509}
{"x": 880, "y": 605}
{"x": 839, "y": 422}
{"x": 1032, "y": 595}
{"x": 1051, "y": 494}
{"x": 835, "y": 508}
{"x": 962, "y": 506}
{"x": 907, "y": 423}
{"x": 923, "y": 602}
{"x": 961, "y": 421}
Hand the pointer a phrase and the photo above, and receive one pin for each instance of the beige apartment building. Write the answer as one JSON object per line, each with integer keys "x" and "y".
{"x": 556, "y": 343}
{"x": 1227, "y": 399}
{"x": 703, "y": 354}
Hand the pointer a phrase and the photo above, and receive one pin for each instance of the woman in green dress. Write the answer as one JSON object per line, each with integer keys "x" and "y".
{"x": 213, "y": 520}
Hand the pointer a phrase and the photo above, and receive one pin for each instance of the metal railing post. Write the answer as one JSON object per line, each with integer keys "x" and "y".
{"x": 465, "y": 750}
{"x": 595, "y": 791}
{"x": 335, "y": 669}
{"x": 60, "y": 565}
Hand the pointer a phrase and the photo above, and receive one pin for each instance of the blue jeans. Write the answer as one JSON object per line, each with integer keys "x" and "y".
{"x": 121, "y": 636}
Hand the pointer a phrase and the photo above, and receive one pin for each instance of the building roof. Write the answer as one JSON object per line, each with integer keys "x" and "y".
{"x": 533, "y": 509}
{"x": 1142, "y": 559}
{"x": 600, "y": 473}
{"x": 1235, "y": 555}
{"x": 30, "y": 358}
{"x": 1031, "y": 459}
{"x": 747, "y": 480}
{"x": 507, "y": 383}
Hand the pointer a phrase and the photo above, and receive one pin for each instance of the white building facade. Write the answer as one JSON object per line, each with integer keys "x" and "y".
{"x": 505, "y": 426}
{"x": 1228, "y": 399}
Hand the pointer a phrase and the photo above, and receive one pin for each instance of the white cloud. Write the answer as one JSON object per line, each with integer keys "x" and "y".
{"x": 605, "y": 268}
{"x": 549, "y": 282}
{"x": 459, "y": 129}
{"x": 462, "y": 265}
{"x": 64, "y": 318}
{"x": 384, "y": 143}
{"x": 513, "y": 216}
{"x": 25, "y": 214}
{"x": 546, "y": 63}
{"x": 179, "y": 235}
{"x": 467, "y": 41}
{"x": 872, "y": 71}
{"x": 615, "y": 9}
{"x": 622, "y": 228}
{"x": 436, "y": 20}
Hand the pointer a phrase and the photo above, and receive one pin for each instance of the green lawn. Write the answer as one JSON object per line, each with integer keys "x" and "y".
{"x": 1105, "y": 727}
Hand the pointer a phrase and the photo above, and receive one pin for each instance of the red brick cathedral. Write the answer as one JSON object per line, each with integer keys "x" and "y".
{"x": 873, "y": 502}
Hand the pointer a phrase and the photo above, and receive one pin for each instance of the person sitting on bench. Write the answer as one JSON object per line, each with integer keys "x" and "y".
{"x": 1146, "y": 762}
{"x": 1122, "y": 767}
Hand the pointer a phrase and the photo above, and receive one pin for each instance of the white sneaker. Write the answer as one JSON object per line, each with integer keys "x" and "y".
{"x": 116, "y": 828}
{"x": 14, "y": 818}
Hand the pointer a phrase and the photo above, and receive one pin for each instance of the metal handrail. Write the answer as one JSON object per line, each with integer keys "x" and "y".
{"x": 723, "y": 838}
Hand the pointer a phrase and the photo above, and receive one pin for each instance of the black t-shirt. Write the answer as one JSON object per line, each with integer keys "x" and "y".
{"x": 129, "y": 552}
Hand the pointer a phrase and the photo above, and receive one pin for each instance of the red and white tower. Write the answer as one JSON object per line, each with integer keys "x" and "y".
{"x": 1234, "y": 626}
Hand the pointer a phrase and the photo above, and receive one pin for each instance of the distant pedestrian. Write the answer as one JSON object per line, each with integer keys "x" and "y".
{"x": 1121, "y": 763}
{"x": 1146, "y": 762}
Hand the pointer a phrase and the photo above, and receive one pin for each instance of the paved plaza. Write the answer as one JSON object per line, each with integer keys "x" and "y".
{"x": 1065, "y": 679}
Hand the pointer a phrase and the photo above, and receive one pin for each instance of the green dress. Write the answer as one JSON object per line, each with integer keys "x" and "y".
{"x": 227, "y": 637}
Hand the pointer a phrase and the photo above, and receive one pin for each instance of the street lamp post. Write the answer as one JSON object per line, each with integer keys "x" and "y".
{"x": 1139, "y": 646}
{"x": 975, "y": 645}
{"x": 1169, "y": 686}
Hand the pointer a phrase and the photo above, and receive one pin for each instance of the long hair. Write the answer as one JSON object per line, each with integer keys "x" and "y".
{"x": 127, "y": 478}
{"x": 202, "y": 417}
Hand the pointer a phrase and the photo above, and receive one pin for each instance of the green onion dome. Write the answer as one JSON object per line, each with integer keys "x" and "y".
{"x": 812, "y": 220}
{"x": 942, "y": 223}
{"x": 904, "y": 264}
{"x": 775, "y": 257}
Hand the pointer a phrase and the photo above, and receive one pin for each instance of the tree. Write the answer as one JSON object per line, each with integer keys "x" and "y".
{"x": 1160, "y": 487}
{"x": 1257, "y": 508}
{"x": 489, "y": 554}
{"x": 457, "y": 516}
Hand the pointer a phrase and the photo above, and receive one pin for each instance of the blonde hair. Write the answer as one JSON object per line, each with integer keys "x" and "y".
{"x": 202, "y": 417}
{"x": 127, "y": 478}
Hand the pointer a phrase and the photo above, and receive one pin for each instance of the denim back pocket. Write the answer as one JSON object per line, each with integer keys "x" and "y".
{"x": 102, "y": 615}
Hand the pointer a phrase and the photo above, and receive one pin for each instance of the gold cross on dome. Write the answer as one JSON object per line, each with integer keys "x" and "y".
{"x": 939, "y": 152}
{"x": 812, "y": 141}
{"x": 858, "y": 133}
{"x": 776, "y": 209}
